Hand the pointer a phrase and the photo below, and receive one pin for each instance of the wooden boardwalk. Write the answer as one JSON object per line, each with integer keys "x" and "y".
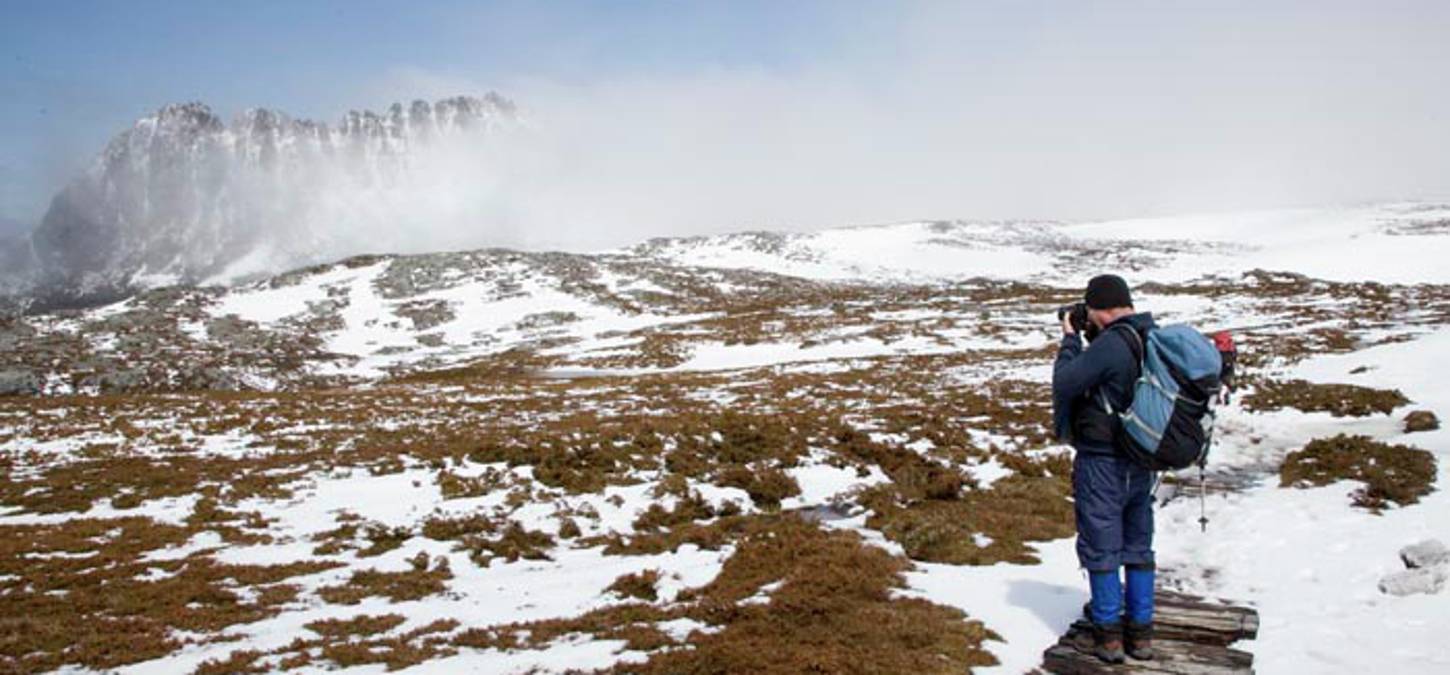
{"x": 1192, "y": 637}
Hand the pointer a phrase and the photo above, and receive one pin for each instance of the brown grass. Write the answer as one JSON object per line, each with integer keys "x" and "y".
{"x": 419, "y": 582}
{"x": 834, "y": 612}
{"x": 901, "y": 415}
{"x": 1339, "y": 400}
{"x": 362, "y": 625}
{"x": 82, "y": 594}
{"x": 641, "y": 585}
{"x": 1421, "y": 420}
{"x": 1390, "y": 473}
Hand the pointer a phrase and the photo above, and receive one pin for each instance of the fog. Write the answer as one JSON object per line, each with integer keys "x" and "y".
{"x": 1081, "y": 115}
{"x": 942, "y": 111}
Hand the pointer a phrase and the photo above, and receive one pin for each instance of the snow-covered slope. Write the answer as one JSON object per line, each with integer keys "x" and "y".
{"x": 583, "y": 418}
{"x": 1403, "y": 242}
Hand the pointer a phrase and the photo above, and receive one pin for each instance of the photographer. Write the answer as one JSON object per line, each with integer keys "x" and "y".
{"x": 1112, "y": 494}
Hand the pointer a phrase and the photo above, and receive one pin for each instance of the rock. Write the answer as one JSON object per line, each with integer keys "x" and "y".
{"x": 115, "y": 381}
{"x": 1421, "y": 420}
{"x": 17, "y": 382}
{"x": 1420, "y": 580}
{"x": 1428, "y": 553}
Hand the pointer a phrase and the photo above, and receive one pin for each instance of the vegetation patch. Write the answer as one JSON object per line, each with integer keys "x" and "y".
{"x": 362, "y": 625}
{"x": 981, "y": 527}
{"x": 416, "y": 583}
{"x": 83, "y": 592}
{"x": 346, "y": 643}
{"x": 641, "y": 585}
{"x": 1339, "y": 400}
{"x": 1421, "y": 420}
{"x": 835, "y": 607}
{"x": 1390, "y": 473}
{"x": 836, "y": 610}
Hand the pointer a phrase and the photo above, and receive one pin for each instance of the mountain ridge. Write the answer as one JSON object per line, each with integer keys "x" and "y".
{"x": 182, "y": 196}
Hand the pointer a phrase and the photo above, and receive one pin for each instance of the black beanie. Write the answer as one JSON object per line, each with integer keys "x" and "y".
{"x": 1107, "y": 291}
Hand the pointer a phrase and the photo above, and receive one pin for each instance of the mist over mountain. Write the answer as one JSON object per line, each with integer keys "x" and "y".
{"x": 184, "y": 197}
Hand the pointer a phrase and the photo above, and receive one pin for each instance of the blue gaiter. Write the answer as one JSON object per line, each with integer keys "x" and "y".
{"x": 1107, "y": 601}
{"x": 1140, "y": 594}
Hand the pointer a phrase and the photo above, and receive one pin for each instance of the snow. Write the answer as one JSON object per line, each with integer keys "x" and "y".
{"x": 1304, "y": 557}
{"x": 1307, "y": 560}
{"x": 1340, "y": 244}
{"x": 1343, "y": 244}
{"x": 901, "y": 252}
{"x": 266, "y": 305}
{"x": 1028, "y": 605}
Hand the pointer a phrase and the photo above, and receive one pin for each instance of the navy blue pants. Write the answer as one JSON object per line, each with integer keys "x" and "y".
{"x": 1113, "y": 501}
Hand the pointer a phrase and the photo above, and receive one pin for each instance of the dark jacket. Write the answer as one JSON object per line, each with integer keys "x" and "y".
{"x": 1110, "y": 366}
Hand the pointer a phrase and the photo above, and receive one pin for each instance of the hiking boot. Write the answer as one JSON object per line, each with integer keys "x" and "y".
{"x": 1108, "y": 643}
{"x": 1138, "y": 639}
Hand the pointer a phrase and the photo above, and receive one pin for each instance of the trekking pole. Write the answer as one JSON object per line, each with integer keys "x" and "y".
{"x": 1202, "y": 500}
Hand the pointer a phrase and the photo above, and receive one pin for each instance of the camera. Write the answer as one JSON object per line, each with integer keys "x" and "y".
{"x": 1076, "y": 314}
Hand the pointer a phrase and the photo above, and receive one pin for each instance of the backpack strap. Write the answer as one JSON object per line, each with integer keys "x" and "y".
{"x": 1135, "y": 343}
{"x": 1135, "y": 347}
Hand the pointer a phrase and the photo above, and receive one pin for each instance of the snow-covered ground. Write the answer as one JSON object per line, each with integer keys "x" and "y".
{"x": 1306, "y": 558}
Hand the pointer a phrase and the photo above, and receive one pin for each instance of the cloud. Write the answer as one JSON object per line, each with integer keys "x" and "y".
{"x": 995, "y": 112}
{"x": 889, "y": 112}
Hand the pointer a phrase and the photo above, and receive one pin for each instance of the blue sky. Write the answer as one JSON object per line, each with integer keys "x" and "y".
{"x": 76, "y": 72}
{"x": 961, "y": 109}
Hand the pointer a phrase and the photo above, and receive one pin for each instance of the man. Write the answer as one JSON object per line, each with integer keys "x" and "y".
{"x": 1112, "y": 494}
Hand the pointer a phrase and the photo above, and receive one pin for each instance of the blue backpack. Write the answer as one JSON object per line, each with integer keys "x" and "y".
{"x": 1169, "y": 424}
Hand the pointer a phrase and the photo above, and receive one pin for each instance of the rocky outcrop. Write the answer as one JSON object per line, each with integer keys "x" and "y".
{"x": 183, "y": 197}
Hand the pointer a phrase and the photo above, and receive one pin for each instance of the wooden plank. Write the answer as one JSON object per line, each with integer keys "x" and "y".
{"x": 1182, "y": 607}
{"x": 1192, "y": 637}
{"x": 1171, "y": 657}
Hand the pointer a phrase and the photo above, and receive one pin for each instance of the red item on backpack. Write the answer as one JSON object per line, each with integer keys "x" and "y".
{"x": 1224, "y": 341}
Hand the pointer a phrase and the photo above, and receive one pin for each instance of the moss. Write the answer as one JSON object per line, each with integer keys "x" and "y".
{"x": 443, "y": 528}
{"x": 836, "y": 608}
{"x": 1390, "y": 473}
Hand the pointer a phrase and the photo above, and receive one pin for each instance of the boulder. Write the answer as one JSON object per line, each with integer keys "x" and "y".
{"x": 18, "y": 382}
{"x": 1428, "y": 553}
{"x": 1419, "y": 580}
